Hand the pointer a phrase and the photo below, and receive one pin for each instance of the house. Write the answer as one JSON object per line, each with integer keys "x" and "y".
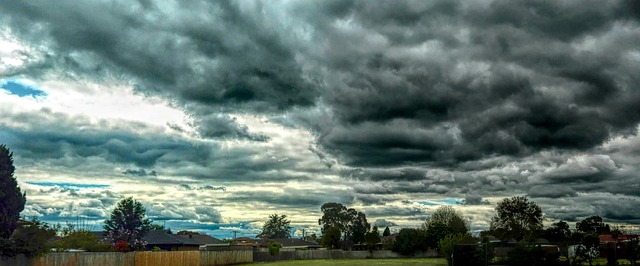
{"x": 165, "y": 240}
{"x": 616, "y": 238}
{"x": 292, "y": 243}
{"x": 288, "y": 244}
{"x": 201, "y": 239}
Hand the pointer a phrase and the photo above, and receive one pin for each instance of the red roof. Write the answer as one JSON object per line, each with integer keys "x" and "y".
{"x": 619, "y": 238}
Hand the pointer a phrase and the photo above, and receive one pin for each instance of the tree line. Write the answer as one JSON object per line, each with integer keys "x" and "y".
{"x": 517, "y": 221}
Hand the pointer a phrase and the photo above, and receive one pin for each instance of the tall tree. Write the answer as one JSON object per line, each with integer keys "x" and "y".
{"x": 333, "y": 215}
{"x": 452, "y": 219}
{"x": 516, "y": 218}
{"x": 558, "y": 232}
{"x": 444, "y": 221}
{"x": 128, "y": 222}
{"x": 372, "y": 238}
{"x": 352, "y": 223}
{"x": 357, "y": 226}
{"x": 276, "y": 227}
{"x": 593, "y": 224}
{"x": 386, "y": 232}
{"x": 12, "y": 200}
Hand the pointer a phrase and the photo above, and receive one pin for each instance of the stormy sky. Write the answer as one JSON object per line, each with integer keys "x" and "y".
{"x": 215, "y": 114}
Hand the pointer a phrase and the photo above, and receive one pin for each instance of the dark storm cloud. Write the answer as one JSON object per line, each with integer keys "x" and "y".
{"x": 223, "y": 126}
{"x": 474, "y": 199}
{"x": 56, "y": 135}
{"x": 139, "y": 172}
{"x": 381, "y": 223}
{"x": 227, "y": 56}
{"x": 441, "y": 82}
{"x": 475, "y": 99}
{"x": 292, "y": 198}
{"x": 552, "y": 191}
{"x": 202, "y": 188}
{"x": 449, "y": 82}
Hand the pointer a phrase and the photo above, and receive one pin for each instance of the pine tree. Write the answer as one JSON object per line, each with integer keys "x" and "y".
{"x": 12, "y": 200}
{"x": 386, "y": 232}
{"x": 128, "y": 222}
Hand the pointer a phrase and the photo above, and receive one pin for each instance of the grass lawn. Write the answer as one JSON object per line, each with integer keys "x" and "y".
{"x": 356, "y": 262}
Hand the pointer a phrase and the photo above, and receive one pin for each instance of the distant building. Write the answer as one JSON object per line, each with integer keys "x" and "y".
{"x": 291, "y": 243}
{"x": 165, "y": 240}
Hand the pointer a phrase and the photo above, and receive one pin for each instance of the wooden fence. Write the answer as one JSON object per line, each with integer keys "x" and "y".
{"x": 265, "y": 256}
{"x": 142, "y": 258}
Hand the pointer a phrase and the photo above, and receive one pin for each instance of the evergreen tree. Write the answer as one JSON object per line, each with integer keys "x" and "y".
{"x": 128, "y": 222}
{"x": 386, "y": 232}
{"x": 276, "y": 227}
{"x": 12, "y": 200}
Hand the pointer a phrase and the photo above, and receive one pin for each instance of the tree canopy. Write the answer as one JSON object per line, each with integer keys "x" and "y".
{"x": 449, "y": 217}
{"x": 12, "y": 200}
{"x": 351, "y": 223}
{"x": 593, "y": 224}
{"x": 516, "y": 218}
{"x": 444, "y": 221}
{"x": 128, "y": 222}
{"x": 558, "y": 232}
{"x": 276, "y": 227}
{"x": 386, "y": 232}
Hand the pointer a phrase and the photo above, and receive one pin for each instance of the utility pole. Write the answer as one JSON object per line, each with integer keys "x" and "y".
{"x": 234, "y": 233}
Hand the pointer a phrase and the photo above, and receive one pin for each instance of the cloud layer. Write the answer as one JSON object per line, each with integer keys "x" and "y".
{"x": 248, "y": 108}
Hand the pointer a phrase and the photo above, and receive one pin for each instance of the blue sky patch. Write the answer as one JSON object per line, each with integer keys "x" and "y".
{"x": 22, "y": 90}
{"x": 68, "y": 185}
{"x": 447, "y": 201}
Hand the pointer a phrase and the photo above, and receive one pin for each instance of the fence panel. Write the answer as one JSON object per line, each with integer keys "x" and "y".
{"x": 229, "y": 257}
{"x": 142, "y": 258}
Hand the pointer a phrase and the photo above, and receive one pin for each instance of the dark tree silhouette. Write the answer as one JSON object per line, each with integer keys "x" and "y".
{"x": 517, "y": 218}
{"x": 128, "y": 222}
{"x": 276, "y": 227}
{"x": 12, "y": 200}
{"x": 386, "y": 232}
{"x": 351, "y": 223}
{"x": 593, "y": 224}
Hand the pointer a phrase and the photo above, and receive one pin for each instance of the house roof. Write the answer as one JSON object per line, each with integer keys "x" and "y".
{"x": 618, "y": 238}
{"x": 542, "y": 241}
{"x": 163, "y": 237}
{"x": 200, "y": 239}
{"x": 291, "y": 242}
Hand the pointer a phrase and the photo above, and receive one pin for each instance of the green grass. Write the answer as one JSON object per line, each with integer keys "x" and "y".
{"x": 356, "y": 262}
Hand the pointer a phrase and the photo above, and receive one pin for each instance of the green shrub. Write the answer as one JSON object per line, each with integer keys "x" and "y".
{"x": 463, "y": 249}
{"x": 32, "y": 238}
{"x": 274, "y": 247}
{"x": 409, "y": 241}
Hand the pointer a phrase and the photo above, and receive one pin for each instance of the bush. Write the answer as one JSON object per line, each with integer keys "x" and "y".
{"x": 7, "y": 248}
{"x": 463, "y": 249}
{"x": 331, "y": 238}
{"x": 81, "y": 239}
{"x": 122, "y": 246}
{"x": 32, "y": 238}
{"x": 524, "y": 254}
{"x": 410, "y": 240}
{"x": 274, "y": 247}
{"x": 387, "y": 243}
